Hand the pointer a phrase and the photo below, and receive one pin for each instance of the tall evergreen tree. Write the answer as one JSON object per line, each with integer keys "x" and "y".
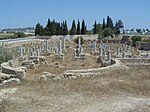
{"x": 119, "y": 26}
{"x": 53, "y": 28}
{"x": 47, "y": 29}
{"x": 48, "y": 23}
{"x": 73, "y": 28}
{"x": 109, "y": 22}
{"x": 65, "y": 28}
{"x": 95, "y": 28}
{"x": 78, "y": 28}
{"x": 38, "y": 29}
{"x": 104, "y": 25}
{"x": 61, "y": 28}
{"x": 83, "y": 29}
{"x": 58, "y": 29}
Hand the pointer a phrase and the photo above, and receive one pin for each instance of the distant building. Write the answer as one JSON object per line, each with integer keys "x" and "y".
{"x": 28, "y": 30}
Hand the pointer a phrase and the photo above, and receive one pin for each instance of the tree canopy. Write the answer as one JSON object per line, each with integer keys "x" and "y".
{"x": 61, "y": 28}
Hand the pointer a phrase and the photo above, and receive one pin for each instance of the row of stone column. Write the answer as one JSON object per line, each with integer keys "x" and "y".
{"x": 104, "y": 54}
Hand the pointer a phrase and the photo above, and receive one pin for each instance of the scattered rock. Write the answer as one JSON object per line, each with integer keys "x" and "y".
{"x": 4, "y": 76}
{"x": 14, "y": 71}
{"x": 47, "y": 75}
{"x": 4, "y": 93}
{"x": 11, "y": 81}
{"x": 57, "y": 78}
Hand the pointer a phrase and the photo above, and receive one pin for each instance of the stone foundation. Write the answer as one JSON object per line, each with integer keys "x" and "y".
{"x": 17, "y": 72}
{"x": 73, "y": 74}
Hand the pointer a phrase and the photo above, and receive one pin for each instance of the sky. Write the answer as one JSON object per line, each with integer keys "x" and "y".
{"x": 27, "y": 13}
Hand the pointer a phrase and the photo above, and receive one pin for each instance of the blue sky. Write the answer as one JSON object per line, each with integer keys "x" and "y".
{"x": 24, "y": 13}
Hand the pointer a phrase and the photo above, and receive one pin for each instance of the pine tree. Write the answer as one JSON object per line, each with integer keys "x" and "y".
{"x": 84, "y": 29}
{"x": 78, "y": 28}
{"x": 95, "y": 28}
{"x": 73, "y": 28}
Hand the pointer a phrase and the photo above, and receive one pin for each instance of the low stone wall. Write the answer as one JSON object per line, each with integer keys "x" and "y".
{"x": 116, "y": 64}
{"x": 73, "y": 74}
{"x": 143, "y": 45}
{"x": 86, "y": 37}
{"x": 17, "y": 72}
{"x": 134, "y": 61}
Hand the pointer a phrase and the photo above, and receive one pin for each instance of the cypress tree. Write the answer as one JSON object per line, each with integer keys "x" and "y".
{"x": 109, "y": 22}
{"x": 95, "y": 28}
{"x": 61, "y": 28}
{"x": 48, "y": 23}
{"x": 65, "y": 28}
{"x": 47, "y": 29}
{"x": 73, "y": 28}
{"x": 38, "y": 29}
{"x": 104, "y": 25}
{"x": 58, "y": 29}
{"x": 83, "y": 30}
{"x": 78, "y": 28}
{"x": 53, "y": 28}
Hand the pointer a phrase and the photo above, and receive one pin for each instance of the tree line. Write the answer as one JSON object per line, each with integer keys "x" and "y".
{"x": 108, "y": 28}
{"x": 56, "y": 28}
{"x": 61, "y": 28}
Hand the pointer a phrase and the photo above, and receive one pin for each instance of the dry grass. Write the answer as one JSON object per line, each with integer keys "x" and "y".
{"x": 82, "y": 94}
{"x": 4, "y": 106}
{"x": 75, "y": 95}
{"x": 135, "y": 80}
{"x": 58, "y": 67}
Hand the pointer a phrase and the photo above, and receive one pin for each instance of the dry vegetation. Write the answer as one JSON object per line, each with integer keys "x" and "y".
{"x": 126, "y": 90}
{"x": 118, "y": 91}
{"x": 57, "y": 66}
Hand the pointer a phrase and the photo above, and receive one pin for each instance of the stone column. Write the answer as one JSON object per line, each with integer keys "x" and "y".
{"x": 118, "y": 50}
{"x": 108, "y": 49}
{"x": 21, "y": 51}
{"x": 38, "y": 52}
{"x": 123, "y": 54}
{"x": 3, "y": 44}
{"x": 28, "y": 50}
{"x": 60, "y": 51}
{"x": 100, "y": 54}
{"x": 109, "y": 56}
{"x": 24, "y": 50}
{"x": 64, "y": 45}
{"x": 79, "y": 42}
{"x": 100, "y": 51}
{"x": 94, "y": 46}
{"x": 46, "y": 45}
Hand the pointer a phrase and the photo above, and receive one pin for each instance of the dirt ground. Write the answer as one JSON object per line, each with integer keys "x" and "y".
{"x": 118, "y": 91}
{"x": 126, "y": 90}
{"x": 56, "y": 66}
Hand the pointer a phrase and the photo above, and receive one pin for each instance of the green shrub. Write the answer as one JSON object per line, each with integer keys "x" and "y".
{"x": 136, "y": 39}
{"x": 5, "y": 55}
